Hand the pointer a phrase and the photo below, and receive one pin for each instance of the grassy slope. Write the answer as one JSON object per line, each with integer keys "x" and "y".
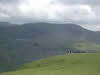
{"x": 74, "y": 64}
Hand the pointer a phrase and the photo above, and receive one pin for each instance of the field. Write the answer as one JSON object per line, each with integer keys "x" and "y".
{"x": 72, "y": 64}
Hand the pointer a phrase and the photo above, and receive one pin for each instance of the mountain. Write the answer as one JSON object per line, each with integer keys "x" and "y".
{"x": 4, "y": 24}
{"x": 74, "y": 64}
{"x": 21, "y": 44}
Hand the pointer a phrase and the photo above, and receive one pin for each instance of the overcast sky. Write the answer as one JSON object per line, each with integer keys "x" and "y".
{"x": 83, "y": 12}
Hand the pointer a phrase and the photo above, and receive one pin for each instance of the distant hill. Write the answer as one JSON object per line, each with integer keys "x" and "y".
{"x": 6, "y": 24}
{"x": 20, "y": 44}
{"x": 74, "y": 64}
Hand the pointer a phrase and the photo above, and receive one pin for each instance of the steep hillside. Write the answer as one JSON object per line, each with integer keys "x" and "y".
{"x": 74, "y": 64}
{"x": 20, "y": 44}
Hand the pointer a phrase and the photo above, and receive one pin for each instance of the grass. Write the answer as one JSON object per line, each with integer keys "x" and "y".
{"x": 74, "y": 64}
{"x": 87, "y": 46}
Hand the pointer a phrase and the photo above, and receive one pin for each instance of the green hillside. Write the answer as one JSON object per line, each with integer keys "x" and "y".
{"x": 20, "y": 44}
{"x": 73, "y": 64}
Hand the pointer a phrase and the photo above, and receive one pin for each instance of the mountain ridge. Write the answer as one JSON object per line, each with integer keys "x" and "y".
{"x": 8, "y": 23}
{"x": 21, "y": 44}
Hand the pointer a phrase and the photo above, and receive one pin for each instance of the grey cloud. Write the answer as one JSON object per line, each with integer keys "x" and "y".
{"x": 9, "y": 11}
{"x": 89, "y": 2}
{"x": 9, "y": 1}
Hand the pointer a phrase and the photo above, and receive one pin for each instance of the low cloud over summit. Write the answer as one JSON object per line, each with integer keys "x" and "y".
{"x": 83, "y": 12}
